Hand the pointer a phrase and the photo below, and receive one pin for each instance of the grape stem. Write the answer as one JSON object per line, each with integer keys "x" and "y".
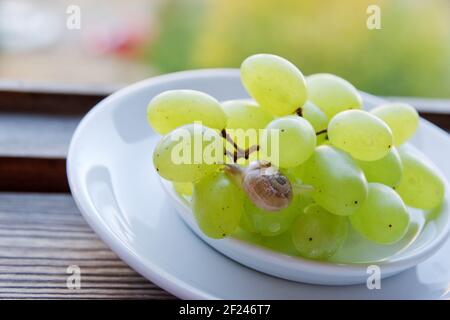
{"x": 238, "y": 152}
{"x": 299, "y": 112}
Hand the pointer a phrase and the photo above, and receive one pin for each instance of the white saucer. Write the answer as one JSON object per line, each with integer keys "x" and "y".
{"x": 116, "y": 188}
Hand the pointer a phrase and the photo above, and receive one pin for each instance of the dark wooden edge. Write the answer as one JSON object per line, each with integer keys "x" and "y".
{"x": 48, "y": 103}
{"x": 439, "y": 119}
{"x": 33, "y": 175}
{"x": 16, "y": 96}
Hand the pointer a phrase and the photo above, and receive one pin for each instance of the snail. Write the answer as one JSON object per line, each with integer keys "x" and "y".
{"x": 268, "y": 189}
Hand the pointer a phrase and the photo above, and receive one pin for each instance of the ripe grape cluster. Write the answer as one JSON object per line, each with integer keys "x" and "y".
{"x": 332, "y": 166}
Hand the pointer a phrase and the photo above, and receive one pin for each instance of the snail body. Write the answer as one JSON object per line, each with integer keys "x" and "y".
{"x": 266, "y": 187}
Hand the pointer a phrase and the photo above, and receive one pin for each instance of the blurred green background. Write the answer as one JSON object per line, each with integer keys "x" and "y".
{"x": 409, "y": 55}
{"x": 120, "y": 42}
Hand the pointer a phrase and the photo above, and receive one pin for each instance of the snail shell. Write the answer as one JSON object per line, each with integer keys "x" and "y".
{"x": 266, "y": 187}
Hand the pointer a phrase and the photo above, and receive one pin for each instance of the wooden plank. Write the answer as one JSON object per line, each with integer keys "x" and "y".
{"x": 36, "y": 135}
{"x": 41, "y": 235}
{"x": 30, "y": 174}
{"x": 59, "y": 88}
{"x": 16, "y": 96}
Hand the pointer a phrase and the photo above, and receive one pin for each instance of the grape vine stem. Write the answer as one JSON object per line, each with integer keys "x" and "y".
{"x": 238, "y": 152}
{"x": 299, "y": 112}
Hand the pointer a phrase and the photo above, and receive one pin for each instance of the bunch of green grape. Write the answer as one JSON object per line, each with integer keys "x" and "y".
{"x": 301, "y": 157}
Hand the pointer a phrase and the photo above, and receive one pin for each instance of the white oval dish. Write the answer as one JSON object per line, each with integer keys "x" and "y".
{"x": 110, "y": 173}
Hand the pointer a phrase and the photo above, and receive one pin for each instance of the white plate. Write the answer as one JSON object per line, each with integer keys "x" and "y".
{"x": 116, "y": 188}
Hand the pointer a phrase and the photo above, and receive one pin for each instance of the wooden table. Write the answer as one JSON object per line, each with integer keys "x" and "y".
{"x": 42, "y": 232}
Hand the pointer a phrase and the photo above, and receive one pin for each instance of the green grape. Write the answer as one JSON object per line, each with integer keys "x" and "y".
{"x": 315, "y": 116}
{"x": 275, "y": 83}
{"x": 294, "y": 174}
{"x": 245, "y": 114}
{"x": 268, "y": 223}
{"x": 322, "y": 139}
{"x": 174, "y": 108}
{"x": 183, "y": 188}
{"x": 188, "y": 153}
{"x": 304, "y": 200}
{"x": 246, "y": 222}
{"x": 339, "y": 185}
{"x": 401, "y": 118}
{"x": 245, "y": 118}
{"x": 421, "y": 185}
{"x": 218, "y": 205}
{"x": 288, "y": 141}
{"x": 361, "y": 134}
{"x": 332, "y": 94}
{"x": 303, "y": 192}
{"x": 387, "y": 170}
{"x": 318, "y": 234}
{"x": 383, "y": 218}
{"x": 280, "y": 244}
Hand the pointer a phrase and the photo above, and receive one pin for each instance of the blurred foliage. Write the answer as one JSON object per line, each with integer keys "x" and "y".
{"x": 410, "y": 55}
